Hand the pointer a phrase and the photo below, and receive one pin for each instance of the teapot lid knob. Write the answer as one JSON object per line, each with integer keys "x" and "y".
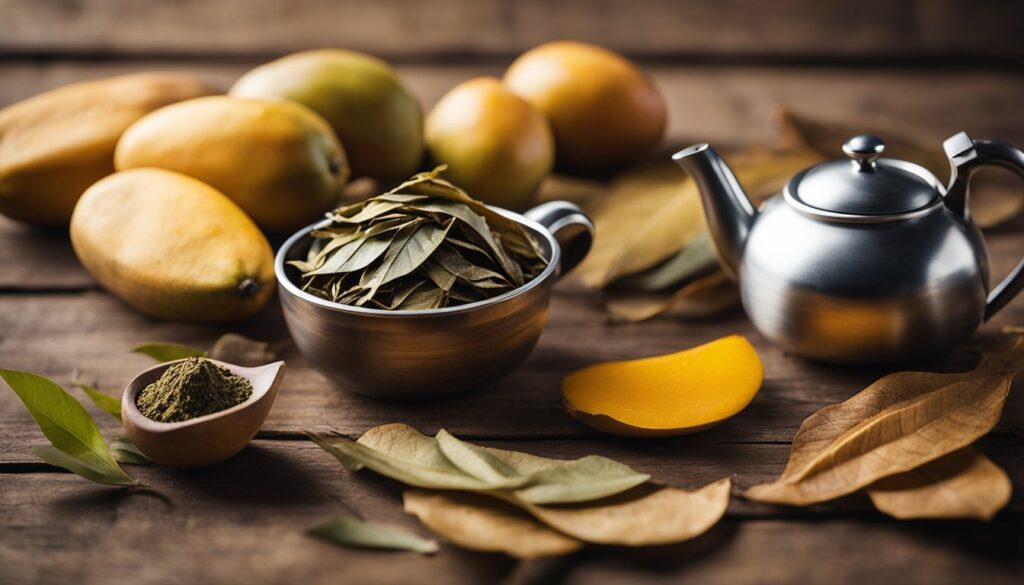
{"x": 863, "y": 150}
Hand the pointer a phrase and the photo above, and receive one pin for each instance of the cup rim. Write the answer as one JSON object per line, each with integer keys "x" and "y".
{"x": 553, "y": 263}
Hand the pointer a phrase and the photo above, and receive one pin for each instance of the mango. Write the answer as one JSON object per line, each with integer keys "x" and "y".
{"x": 374, "y": 115}
{"x": 604, "y": 112}
{"x": 278, "y": 160}
{"x": 54, "y": 145}
{"x": 674, "y": 394}
{"x": 173, "y": 247}
{"x": 496, "y": 145}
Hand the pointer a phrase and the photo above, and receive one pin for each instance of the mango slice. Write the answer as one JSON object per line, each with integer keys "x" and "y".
{"x": 674, "y": 394}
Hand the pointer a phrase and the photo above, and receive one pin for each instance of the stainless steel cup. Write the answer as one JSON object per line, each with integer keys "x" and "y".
{"x": 438, "y": 352}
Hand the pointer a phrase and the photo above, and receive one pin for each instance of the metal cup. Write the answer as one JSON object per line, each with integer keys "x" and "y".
{"x": 436, "y": 352}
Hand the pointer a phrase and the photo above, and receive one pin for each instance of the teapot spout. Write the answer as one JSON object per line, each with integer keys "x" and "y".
{"x": 728, "y": 210}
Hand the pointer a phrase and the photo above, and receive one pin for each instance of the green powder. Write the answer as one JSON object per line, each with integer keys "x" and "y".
{"x": 190, "y": 389}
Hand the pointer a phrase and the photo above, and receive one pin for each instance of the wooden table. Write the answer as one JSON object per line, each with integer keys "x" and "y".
{"x": 243, "y": 521}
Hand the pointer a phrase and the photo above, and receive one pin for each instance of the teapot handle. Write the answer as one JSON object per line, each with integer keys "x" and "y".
{"x": 967, "y": 156}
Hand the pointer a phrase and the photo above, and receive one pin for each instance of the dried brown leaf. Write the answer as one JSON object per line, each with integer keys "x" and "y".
{"x": 963, "y": 484}
{"x": 644, "y": 516}
{"x": 652, "y": 212}
{"x": 897, "y": 424}
{"x": 481, "y": 523}
{"x": 707, "y": 296}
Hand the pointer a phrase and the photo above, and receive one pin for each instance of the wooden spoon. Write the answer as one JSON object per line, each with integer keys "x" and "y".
{"x": 203, "y": 440}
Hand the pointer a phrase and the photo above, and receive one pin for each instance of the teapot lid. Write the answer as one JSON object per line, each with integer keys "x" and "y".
{"x": 864, "y": 186}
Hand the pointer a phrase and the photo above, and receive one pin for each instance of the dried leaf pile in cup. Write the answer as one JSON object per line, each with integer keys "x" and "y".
{"x": 425, "y": 244}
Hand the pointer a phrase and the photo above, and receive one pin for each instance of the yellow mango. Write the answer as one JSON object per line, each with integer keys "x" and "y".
{"x": 278, "y": 160}
{"x": 496, "y": 145}
{"x": 54, "y": 145}
{"x": 374, "y": 115}
{"x": 603, "y": 111}
{"x": 173, "y": 247}
{"x": 674, "y": 394}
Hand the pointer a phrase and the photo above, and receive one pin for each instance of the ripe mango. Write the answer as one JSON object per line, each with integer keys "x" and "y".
{"x": 603, "y": 111}
{"x": 374, "y": 115}
{"x": 54, "y": 145}
{"x": 173, "y": 247}
{"x": 496, "y": 145}
{"x": 278, "y": 160}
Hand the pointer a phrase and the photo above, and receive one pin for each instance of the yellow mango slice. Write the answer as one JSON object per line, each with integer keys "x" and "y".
{"x": 672, "y": 394}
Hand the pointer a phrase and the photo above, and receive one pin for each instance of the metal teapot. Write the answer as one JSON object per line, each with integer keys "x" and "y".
{"x": 867, "y": 260}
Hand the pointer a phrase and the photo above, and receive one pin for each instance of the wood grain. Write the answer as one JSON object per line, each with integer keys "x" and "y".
{"x": 242, "y": 522}
{"x": 429, "y": 29}
{"x": 724, "y": 105}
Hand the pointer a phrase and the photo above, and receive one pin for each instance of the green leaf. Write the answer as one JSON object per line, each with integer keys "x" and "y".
{"x": 420, "y": 464}
{"x": 352, "y": 532}
{"x": 404, "y": 454}
{"x": 582, "y": 480}
{"x": 126, "y": 452}
{"x": 77, "y": 443}
{"x": 167, "y": 352}
{"x": 107, "y": 403}
{"x": 476, "y": 462}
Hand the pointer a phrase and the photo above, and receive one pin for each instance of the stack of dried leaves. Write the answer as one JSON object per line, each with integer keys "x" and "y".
{"x": 652, "y": 253}
{"x": 906, "y": 440}
{"x": 425, "y": 244}
{"x": 523, "y": 505}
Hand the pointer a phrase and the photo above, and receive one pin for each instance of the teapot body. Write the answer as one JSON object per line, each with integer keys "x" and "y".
{"x": 843, "y": 292}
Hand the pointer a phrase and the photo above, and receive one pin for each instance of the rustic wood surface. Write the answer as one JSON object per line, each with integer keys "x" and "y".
{"x": 931, "y": 67}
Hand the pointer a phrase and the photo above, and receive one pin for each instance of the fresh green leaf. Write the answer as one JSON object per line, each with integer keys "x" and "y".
{"x": 125, "y": 451}
{"x": 77, "y": 443}
{"x": 107, "y": 403}
{"x": 167, "y": 352}
{"x": 352, "y": 532}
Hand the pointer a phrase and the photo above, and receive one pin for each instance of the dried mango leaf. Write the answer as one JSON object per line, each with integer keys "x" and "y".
{"x": 707, "y": 296}
{"x": 963, "y": 484}
{"x": 990, "y": 203}
{"x": 897, "y": 424}
{"x": 481, "y": 523}
{"x": 644, "y": 516}
{"x": 166, "y": 351}
{"x": 651, "y": 213}
{"x": 530, "y": 478}
{"x": 243, "y": 351}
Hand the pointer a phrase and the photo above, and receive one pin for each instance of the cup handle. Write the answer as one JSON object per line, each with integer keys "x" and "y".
{"x": 571, "y": 227}
{"x": 966, "y": 156}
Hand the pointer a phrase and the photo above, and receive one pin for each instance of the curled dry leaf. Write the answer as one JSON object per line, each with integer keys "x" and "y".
{"x": 899, "y": 423}
{"x": 992, "y": 202}
{"x": 645, "y": 516}
{"x": 481, "y": 523}
{"x": 705, "y": 297}
{"x": 239, "y": 349}
{"x": 963, "y": 484}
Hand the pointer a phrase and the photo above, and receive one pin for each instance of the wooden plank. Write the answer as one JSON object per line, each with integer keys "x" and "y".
{"x": 674, "y": 462}
{"x": 93, "y": 332}
{"x": 723, "y": 105}
{"x": 436, "y": 28}
{"x": 35, "y": 259}
{"x": 242, "y": 522}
